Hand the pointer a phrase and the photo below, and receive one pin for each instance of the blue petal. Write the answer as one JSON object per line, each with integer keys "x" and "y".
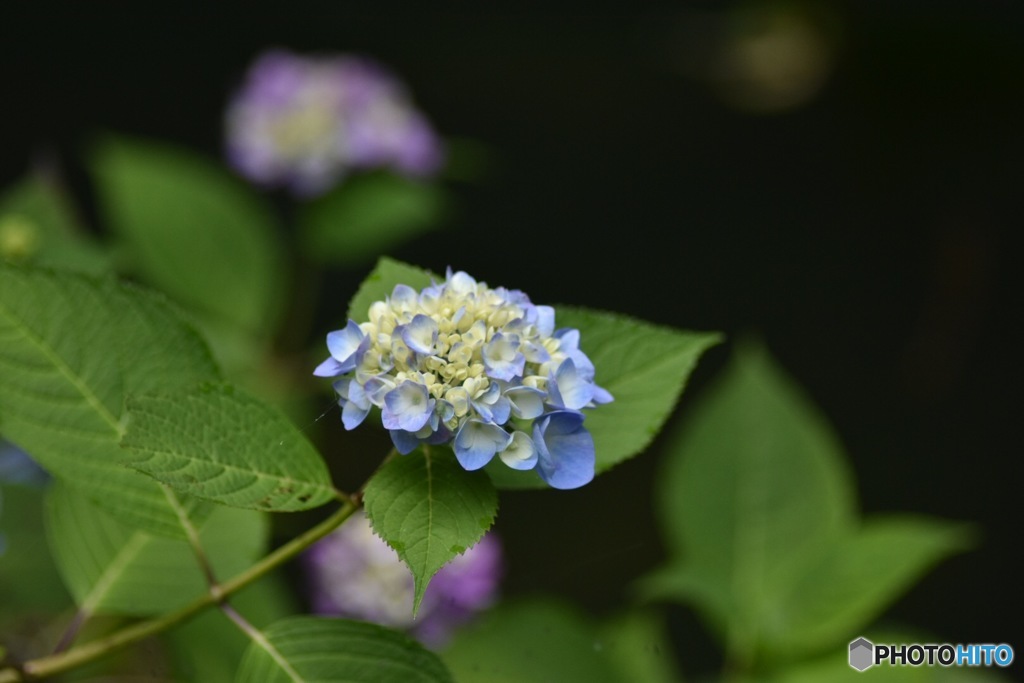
{"x": 521, "y": 453}
{"x": 527, "y": 402}
{"x": 329, "y": 368}
{"x": 568, "y": 388}
{"x": 355, "y": 403}
{"x": 477, "y": 442}
{"x": 502, "y": 357}
{"x": 405, "y": 442}
{"x": 404, "y": 297}
{"x": 420, "y": 335}
{"x": 565, "y": 449}
{"x": 352, "y": 414}
{"x": 347, "y": 345}
{"x": 408, "y": 406}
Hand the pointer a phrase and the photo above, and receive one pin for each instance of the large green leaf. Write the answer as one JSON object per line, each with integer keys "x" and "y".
{"x": 28, "y": 579}
{"x": 37, "y": 226}
{"x": 210, "y": 647}
{"x": 754, "y": 489}
{"x": 113, "y": 568}
{"x": 380, "y": 282}
{"x": 531, "y": 641}
{"x": 638, "y": 645}
{"x": 196, "y": 232}
{"x": 218, "y": 443}
{"x": 368, "y": 215}
{"x": 858, "y": 578}
{"x": 308, "y": 649}
{"x": 760, "y": 522}
{"x": 71, "y": 349}
{"x": 429, "y": 509}
{"x": 644, "y": 366}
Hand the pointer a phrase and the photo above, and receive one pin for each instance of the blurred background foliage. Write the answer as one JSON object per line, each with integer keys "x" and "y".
{"x": 842, "y": 178}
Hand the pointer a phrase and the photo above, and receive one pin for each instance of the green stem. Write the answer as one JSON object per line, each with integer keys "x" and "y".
{"x": 257, "y": 636}
{"x": 59, "y": 663}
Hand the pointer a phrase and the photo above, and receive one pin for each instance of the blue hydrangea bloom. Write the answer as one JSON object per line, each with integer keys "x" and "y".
{"x": 305, "y": 122}
{"x": 483, "y": 370}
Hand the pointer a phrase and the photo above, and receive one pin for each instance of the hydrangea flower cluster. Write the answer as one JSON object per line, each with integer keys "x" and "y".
{"x": 353, "y": 573}
{"x": 482, "y": 369}
{"x": 303, "y": 122}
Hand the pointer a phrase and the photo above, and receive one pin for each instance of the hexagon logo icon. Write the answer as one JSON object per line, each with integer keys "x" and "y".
{"x": 862, "y": 654}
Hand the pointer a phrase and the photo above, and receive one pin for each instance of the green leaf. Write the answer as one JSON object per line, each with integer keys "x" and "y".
{"x": 29, "y": 582}
{"x": 307, "y": 649}
{"x": 71, "y": 349}
{"x": 368, "y": 215}
{"x": 754, "y": 489}
{"x": 538, "y": 641}
{"x": 37, "y": 227}
{"x": 638, "y": 645}
{"x": 862, "y": 574}
{"x": 378, "y": 285}
{"x": 113, "y": 568}
{"x": 196, "y": 232}
{"x": 210, "y": 647}
{"x": 644, "y": 366}
{"x": 429, "y": 510}
{"x": 760, "y": 522}
{"x": 220, "y": 444}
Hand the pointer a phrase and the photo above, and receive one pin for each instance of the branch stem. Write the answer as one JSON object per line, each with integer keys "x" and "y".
{"x": 59, "y": 663}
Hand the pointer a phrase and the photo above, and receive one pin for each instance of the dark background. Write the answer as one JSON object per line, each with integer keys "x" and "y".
{"x": 868, "y": 232}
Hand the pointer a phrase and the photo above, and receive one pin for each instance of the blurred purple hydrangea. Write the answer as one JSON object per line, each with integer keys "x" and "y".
{"x": 304, "y": 122}
{"x": 353, "y": 573}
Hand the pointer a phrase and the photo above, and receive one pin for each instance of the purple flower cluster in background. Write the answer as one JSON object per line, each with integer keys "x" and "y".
{"x": 482, "y": 369}
{"x": 304, "y": 122}
{"x": 353, "y": 573}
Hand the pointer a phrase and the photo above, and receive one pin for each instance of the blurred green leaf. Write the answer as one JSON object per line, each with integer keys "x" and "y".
{"x": 218, "y": 443}
{"x": 29, "y": 581}
{"x": 368, "y": 215}
{"x": 759, "y": 517}
{"x": 380, "y": 282}
{"x": 644, "y": 366}
{"x": 38, "y": 227}
{"x": 307, "y": 649}
{"x": 195, "y": 231}
{"x": 861, "y": 575}
{"x": 71, "y": 349}
{"x": 113, "y": 568}
{"x": 536, "y": 641}
{"x": 429, "y": 509}
{"x": 210, "y": 647}
{"x": 637, "y": 643}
